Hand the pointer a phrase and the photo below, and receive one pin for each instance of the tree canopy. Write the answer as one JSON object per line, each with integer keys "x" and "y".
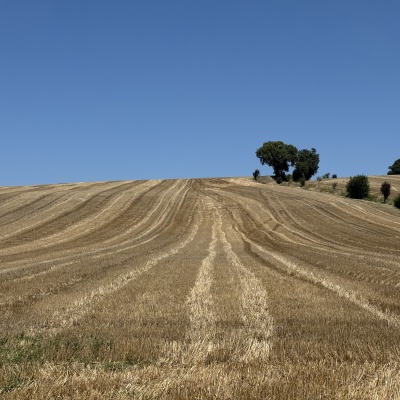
{"x": 277, "y": 155}
{"x": 306, "y": 164}
{"x": 395, "y": 168}
{"x": 280, "y": 156}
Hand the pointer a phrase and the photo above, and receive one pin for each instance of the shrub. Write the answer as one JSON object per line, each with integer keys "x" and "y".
{"x": 302, "y": 181}
{"x": 326, "y": 176}
{"x": 372, "y": 197}
{"x": 334, "y": 186}
{"x": 385, "y": 190}
{"x": 256, "y": 174}
{"x": 396, "y": 202}
{"x": 358, "y": 187}
{"x": 334, "y": 176}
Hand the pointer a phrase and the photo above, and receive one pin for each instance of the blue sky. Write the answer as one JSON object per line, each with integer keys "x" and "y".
{"x": 100, "y": 90}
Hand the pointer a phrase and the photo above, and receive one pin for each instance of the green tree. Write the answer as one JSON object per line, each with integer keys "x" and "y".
{"x": 358, "y": 187}
{"x": 279, "y": 156}
{"x": 385, "y": 190}
{"x": 306, "y": 164}
{"x": 395, "y": 168}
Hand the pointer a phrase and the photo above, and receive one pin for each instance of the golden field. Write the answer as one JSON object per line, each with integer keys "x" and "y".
{"x": 197, "y": 289}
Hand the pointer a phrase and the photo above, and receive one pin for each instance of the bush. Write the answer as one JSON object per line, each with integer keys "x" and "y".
{"x": 358, "y": 187}
{"x": 334, "y": 176}
{"x": 385, "y": 190}
{"x": 256, "y": 174}
{"x": 396, "y": 202}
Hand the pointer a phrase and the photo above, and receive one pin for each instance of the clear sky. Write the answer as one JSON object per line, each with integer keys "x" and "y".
{"x": 100, "y": 90}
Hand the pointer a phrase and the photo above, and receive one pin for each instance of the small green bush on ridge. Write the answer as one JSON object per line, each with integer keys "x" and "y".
{"x": 358, "y": 187}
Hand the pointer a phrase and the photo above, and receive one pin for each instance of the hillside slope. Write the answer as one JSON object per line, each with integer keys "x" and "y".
{"x": 375, "y": 183}
{"x": 197, "y": 288}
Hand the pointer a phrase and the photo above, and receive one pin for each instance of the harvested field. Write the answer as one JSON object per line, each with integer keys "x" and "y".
{"x": 197, "y": 289}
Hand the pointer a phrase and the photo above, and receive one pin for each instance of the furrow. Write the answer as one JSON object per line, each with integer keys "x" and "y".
{"x": 150, "y": 234}
{"x": 61, "y": 221}
{"x": 351, "y": 296}
{"x": 207, "y": 342}
{"x": 80, "y": 307}
{"x": 40, "y": 215}
{"x": 369, "y": 216}
{"x": 31, "y": 212}
{"x": 23, "y": 205}
{"x": 201, "y": 335}
{"x": 95, "y": 221}
{"x": 325, "y": 243}
{"x": 160, "y": 228}
{"x": 257, "y": 320}
{"x": 369, "y": 228}
{"x": 75, "y": 247}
